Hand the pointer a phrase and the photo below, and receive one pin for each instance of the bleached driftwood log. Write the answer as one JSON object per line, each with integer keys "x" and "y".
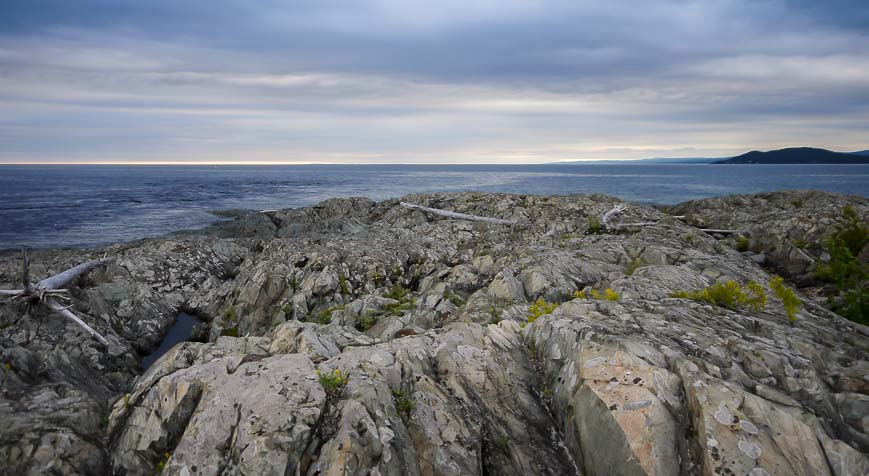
{"x": 620, "y": 208}
{"x": 49, "y": 289}
{"x": 612, "y": 213}
{"x": 457, "y": 215}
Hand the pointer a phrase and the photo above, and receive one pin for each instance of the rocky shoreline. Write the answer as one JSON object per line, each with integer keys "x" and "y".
{"x": 355, "y": 337}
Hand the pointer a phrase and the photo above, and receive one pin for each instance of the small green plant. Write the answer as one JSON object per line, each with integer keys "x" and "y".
{"x": 342, "y": 285}
{"x": 378, "y": 278}
{"x": 229, "y": 314}
{"x": 455, "y": 299}
{"x": 578, "y": 294}
{"x": 730, "y": 295}
{"x": 398, "y": 292}
{"x": 287, "y": 309}
{"x": 496, "y": 314}
{"x": 161, "y": 465}
{"x": 126, "y": 400}
{"x": 333, "y": 382}
{"x": 502, "y": 443}
{"x": 403, "y": 403}
{"x": 540, "y": 308}
{"x": 610, "y": 295}
{"x": 293, "y": 281}
{"x": 689, "y": 237}
{"x": 756, "y": 296}
{"x": 366, "y": 322}
{"x": 323, "y": 317}
{"x": 790, "y": 301}
{"x": 634, "y": 265}
{"x": 742, "y": 243}
{"x": 594, "y": 294}
{"x": 595, "y": 227}
{"x": 569, "y": 236}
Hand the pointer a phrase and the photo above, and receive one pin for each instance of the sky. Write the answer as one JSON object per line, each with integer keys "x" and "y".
{"x": 447, "y": 81}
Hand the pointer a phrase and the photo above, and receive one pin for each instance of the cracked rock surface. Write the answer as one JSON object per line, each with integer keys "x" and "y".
{"x": 355, "y": 337}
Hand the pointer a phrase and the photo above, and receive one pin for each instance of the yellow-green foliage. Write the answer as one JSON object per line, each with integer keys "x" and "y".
{"x": 790, "y": 300}
{"x": 756, "y": 298}
{"x": 161, "y": 465}
{"x": 608, "y": 294}
{"x": 333, "y": 382}
{"x": 540, "y": 308}
{"x": 730, "y": 295}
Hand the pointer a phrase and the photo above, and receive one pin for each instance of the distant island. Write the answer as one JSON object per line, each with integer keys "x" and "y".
{"x": 798, "y": 155}
{"x": 790, "y": 155}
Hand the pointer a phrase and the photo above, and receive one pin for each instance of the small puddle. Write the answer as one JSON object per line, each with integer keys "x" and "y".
{"x": 180, "y": 331}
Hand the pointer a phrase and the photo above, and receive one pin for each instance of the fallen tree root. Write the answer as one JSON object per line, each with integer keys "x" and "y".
{"x": 45, "y": 291}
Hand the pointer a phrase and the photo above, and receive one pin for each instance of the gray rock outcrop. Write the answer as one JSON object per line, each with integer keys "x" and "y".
{"x": 355, "y": 337}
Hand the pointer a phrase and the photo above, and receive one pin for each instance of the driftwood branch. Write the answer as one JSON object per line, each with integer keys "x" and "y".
{"x": 65, "y": 312}
{"x": 65, "y": 277}
{"x": 612, "y": 213}
{"x": 456, "y": 215}
{"x": 48, "y": 290}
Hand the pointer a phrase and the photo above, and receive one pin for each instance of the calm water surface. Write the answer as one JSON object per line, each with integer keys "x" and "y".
{"x": 45, "y": 206}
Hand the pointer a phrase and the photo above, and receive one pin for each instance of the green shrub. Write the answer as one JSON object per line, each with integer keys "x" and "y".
{"x": 229, "y": 314}
{"x": 323, "y": 317}
{"x": 455, "y": 299}
{"x": 790, "y": 300}
{"x": 730, "y": 295}
{"x": 404, "y": 404}
{"x": 852, "y": 232}
{"x": 342, "y": 285}
{"x": 845, "y": 271}
{"x": 610, "y": 295}
{"x": 287, "y": 310}
{"x": 595, "y": 227}
{"x": 366, "y": 322}
{"x": 578, "y": 294}
{"x": 742, "y": 243}
{"x": 333, "y": 383}
{"x": 398, "y": 292}
{"x": 540, "y": 308}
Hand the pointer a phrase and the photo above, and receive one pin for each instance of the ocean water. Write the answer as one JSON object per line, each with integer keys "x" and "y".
{"x": 84, "y": 206}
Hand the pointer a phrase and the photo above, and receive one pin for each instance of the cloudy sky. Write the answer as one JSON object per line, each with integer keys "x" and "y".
{"x": 447, "y": 81}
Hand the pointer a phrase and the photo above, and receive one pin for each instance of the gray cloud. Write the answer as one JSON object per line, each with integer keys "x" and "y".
{"x": 415, "y": 81}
